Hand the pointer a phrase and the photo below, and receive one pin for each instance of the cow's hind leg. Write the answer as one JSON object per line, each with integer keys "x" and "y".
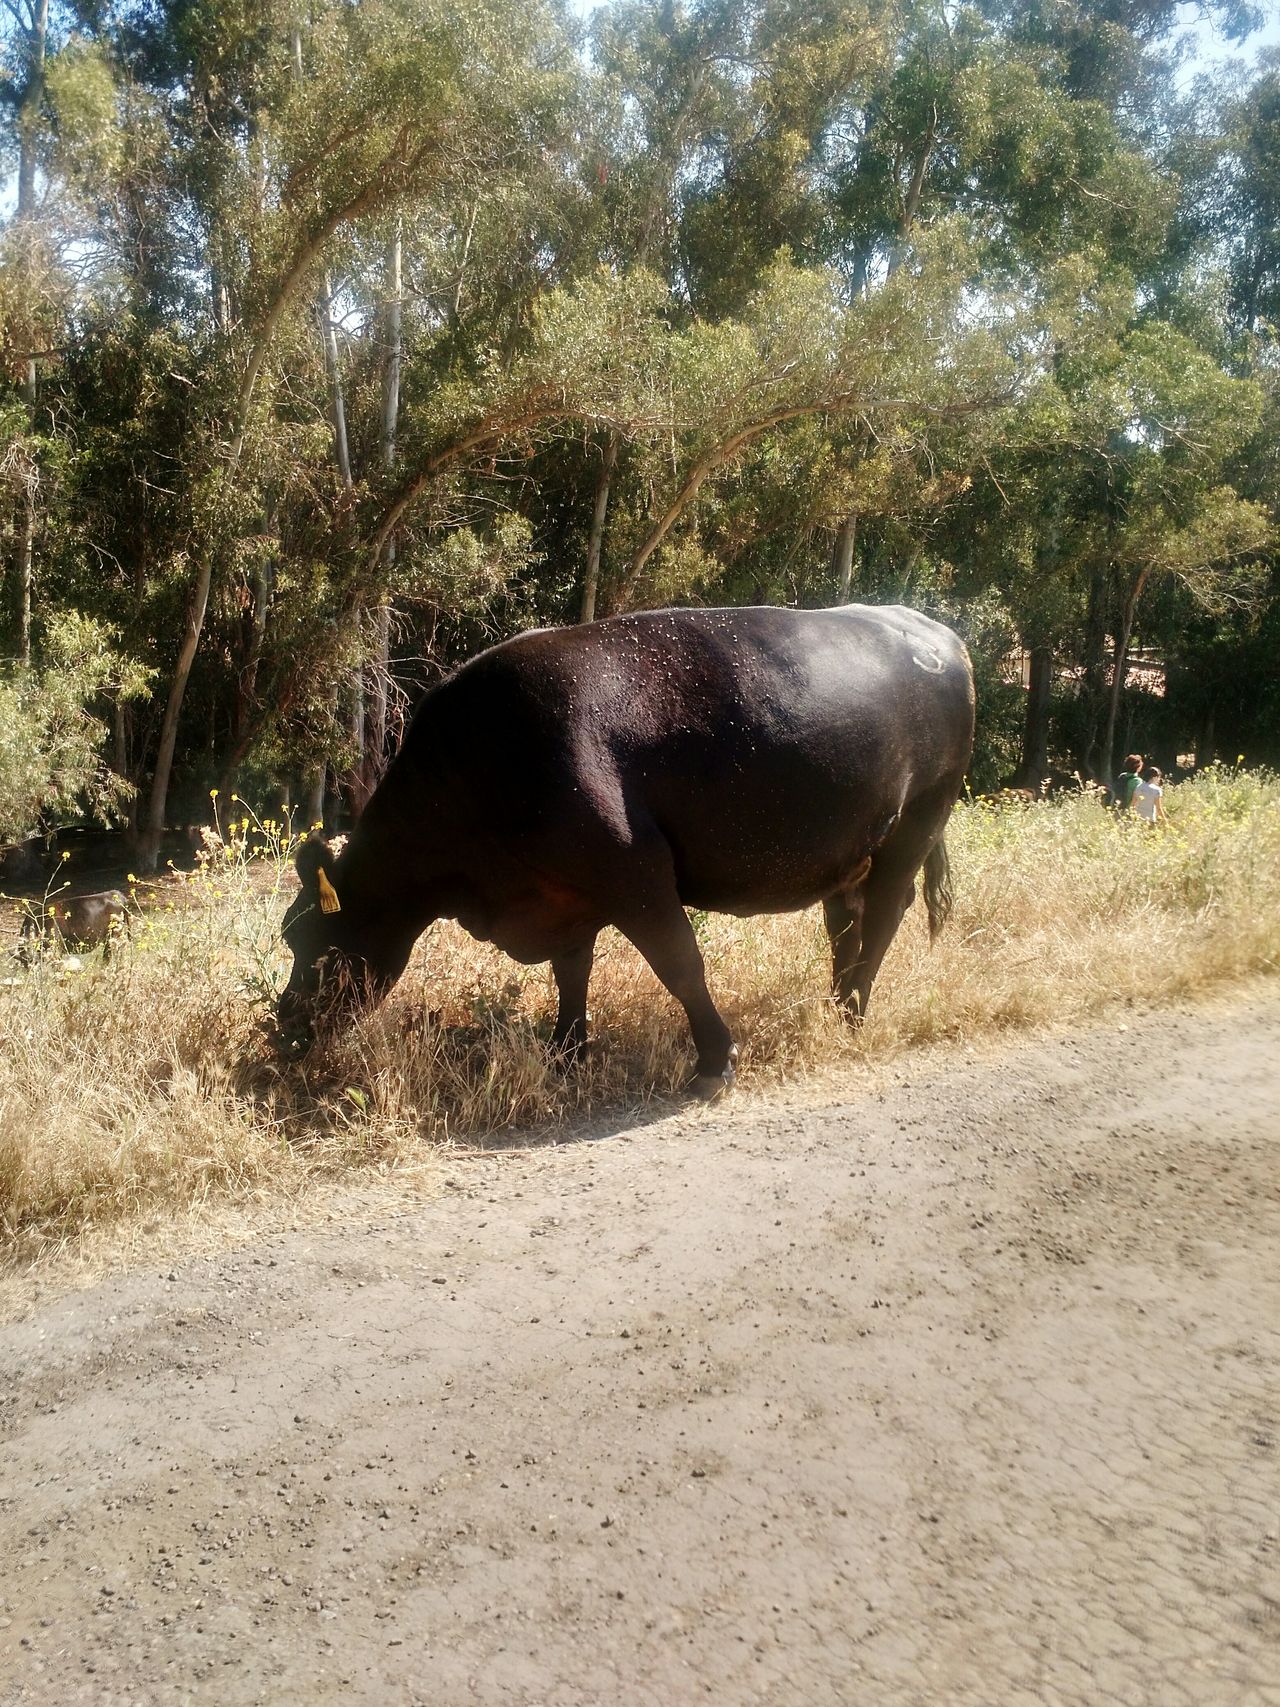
{"x": 843, "y": 914}
{"x": 572, "y": 974}
{"x": 888, "y": 894}
{"x": 888, "y": 889}
{"x": 665, "y": 938}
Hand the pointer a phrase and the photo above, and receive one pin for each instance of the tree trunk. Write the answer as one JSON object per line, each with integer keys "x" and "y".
{"x": 1205, "y": 740}
{"x": 245, "y": 718}
{"x": 377, "y": 192}
{"x": 313, "y": 805}
{"x": 353, "y": 785}
{"x": 337, "y": 400}
{"x": 119, "y": 737}
{"x": 262, "y": 582}
{"x": 29, "y": 106}
{"x": 1035, "y": 735}
{"x": 26, "y": 572}
{"x": 595, "y": 542}
{"x": 1095, "y": 672}
{"x": 911, "y": 202}
{"x": 376, "y": 741}
{"x": 153, "y": 823}
{"x": 1118, "y": 674}
{"x": 842, "y": 557}
{"x": 375, "y": 746}
{"x": 913, "y": 563}
{"x": 391, "y": 372}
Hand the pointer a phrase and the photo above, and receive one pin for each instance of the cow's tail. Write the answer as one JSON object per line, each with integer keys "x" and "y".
{"x": 938, "y": 897}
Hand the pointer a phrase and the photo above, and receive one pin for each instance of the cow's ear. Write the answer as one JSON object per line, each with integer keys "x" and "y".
{"x": 314, "y": 864}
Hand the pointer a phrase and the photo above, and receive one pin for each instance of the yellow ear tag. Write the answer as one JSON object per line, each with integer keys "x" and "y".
{"x": 329, "y": 902}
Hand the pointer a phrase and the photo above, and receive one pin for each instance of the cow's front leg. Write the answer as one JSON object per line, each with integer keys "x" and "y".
{"x": 665, "y": 938}
{"x": 572, "y": 974}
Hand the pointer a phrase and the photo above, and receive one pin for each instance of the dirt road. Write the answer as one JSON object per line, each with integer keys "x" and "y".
{"x": 963, "y": 1391}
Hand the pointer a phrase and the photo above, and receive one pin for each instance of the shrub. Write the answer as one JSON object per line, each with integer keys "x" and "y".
{"x": 51, "y": 769}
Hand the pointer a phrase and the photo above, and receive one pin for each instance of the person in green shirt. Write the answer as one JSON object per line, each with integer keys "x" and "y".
{"x": 1126, "y": 782}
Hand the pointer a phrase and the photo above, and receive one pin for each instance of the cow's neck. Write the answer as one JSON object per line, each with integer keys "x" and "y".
{"x": 385, "y": 872}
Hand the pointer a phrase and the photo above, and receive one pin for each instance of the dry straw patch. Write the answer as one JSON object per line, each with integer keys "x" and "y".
{"x": 148, "y": 1087}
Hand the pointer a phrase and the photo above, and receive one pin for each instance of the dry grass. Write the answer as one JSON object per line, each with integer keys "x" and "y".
{"x": 147, "y": 1088}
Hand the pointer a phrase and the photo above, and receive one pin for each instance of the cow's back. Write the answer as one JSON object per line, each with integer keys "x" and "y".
{"x": 790, "y": 743}
{"x": 769, "y": 748}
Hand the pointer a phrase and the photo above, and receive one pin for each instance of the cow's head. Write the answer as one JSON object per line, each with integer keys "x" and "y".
{"x": 332, "y": 969}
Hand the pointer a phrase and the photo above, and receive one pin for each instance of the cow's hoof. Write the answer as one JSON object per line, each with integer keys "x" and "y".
{"x": 708, "y": 1086}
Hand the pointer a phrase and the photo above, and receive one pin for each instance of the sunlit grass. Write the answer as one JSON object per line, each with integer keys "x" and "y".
{"x": 148, "y": 1086}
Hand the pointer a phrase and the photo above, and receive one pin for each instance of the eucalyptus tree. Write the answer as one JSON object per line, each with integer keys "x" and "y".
{"x": 669, "y": 75}
{"x": 51, "y": 95}
{"x": 375, "y": 330}
{"x": 28, "y": 42}
{"x": 1249, "y": 210}
{"x": 400, "y": 102}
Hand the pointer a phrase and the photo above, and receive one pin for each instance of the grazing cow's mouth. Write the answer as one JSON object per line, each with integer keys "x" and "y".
{"x": 295, "y": 1028}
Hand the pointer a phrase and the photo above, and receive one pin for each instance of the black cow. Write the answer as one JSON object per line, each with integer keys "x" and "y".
{"x": 739, "y": 761}
{"x": 79, "y": 921}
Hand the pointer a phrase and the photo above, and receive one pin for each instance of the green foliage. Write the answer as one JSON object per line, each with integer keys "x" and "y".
{"x": 971, "y": 308}
{"x": 991, "y": 636}
{"x": 81, "y": 92}
{"x": 472, "y": 568}
{"x": 51, "y": 741}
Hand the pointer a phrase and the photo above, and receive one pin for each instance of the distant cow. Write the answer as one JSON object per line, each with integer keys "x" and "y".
{"x": 80, "y": 921}
{"x": 738, "y": 761}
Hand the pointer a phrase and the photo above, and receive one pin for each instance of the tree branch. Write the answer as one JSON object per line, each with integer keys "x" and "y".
{"x": 382, "y": 188}
{"x": 729, "y": 448}
{"x": 535, "y": 408}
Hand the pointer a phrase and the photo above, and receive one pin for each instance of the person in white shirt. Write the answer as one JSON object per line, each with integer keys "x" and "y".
{"x": 1148, "y": 801}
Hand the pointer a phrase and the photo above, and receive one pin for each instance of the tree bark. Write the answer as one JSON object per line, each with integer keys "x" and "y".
{"x": 1095, "y": 664}
{"x": 595, "y": 542}
{"x": 313, "y": 805}
{"x": 337, "y": 399}
{"x": 842, "y": 557}
{"x": 153, "y": 824}
{"x": 29, "y": 106}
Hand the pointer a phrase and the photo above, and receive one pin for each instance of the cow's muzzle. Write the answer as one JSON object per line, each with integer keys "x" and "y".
{"x": 295, "y": 1026}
